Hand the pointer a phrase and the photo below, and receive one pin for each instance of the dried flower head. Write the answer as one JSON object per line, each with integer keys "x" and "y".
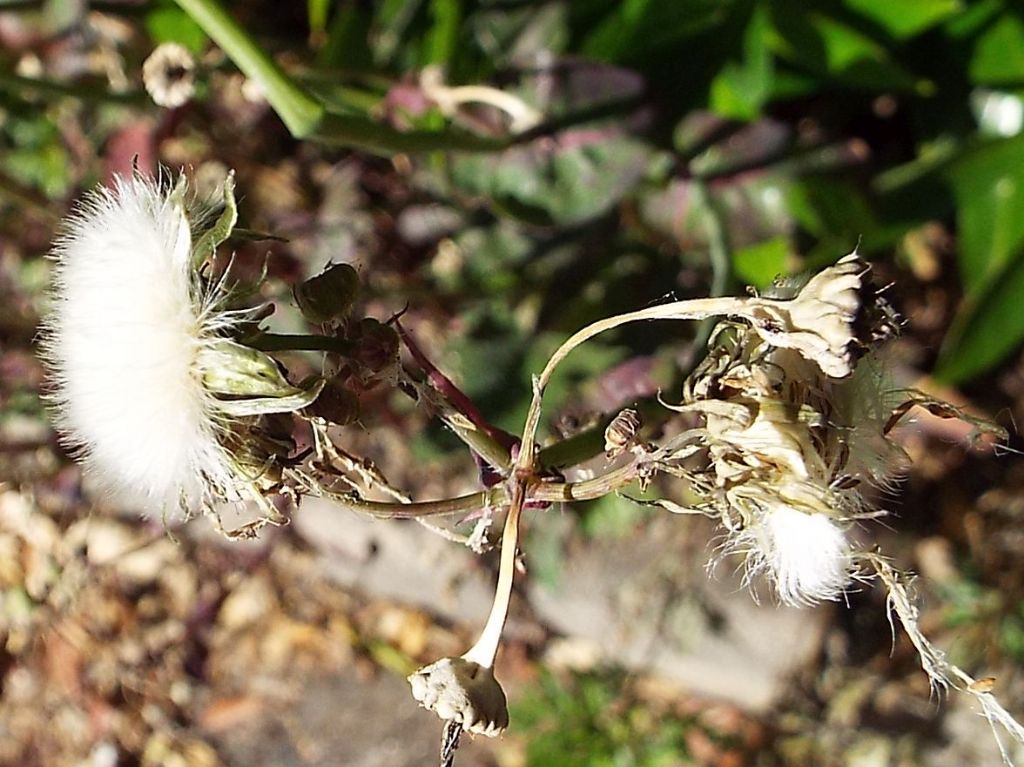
{"x": 148, "y": 388}
{"x": 794, "y": 426}
{"x": 169, "y": 75}
{"x": 460, "y": 690}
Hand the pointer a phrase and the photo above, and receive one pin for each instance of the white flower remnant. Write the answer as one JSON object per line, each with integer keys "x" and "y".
{"x": 775, "y": 393}
{"x": 819, "y": 321}
{"x": 168, "y": 75}
{"x": 462, "y": 691}
{"x": 135, "y": 339}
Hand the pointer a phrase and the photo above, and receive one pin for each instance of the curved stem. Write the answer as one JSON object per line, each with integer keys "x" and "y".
{"x": 585, "y": 490}
{"x": 546, "y": 492}
{"x": 396, "y": 510}
{"x": 486, "y": 647}
{"x": 695, "y": 309}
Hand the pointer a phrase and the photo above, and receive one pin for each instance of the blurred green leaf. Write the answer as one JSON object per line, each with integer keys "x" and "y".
{"x": 588, "y": 720}
{"x": 37, "y": 156}
{"x": 169, "y": 24}
{"x": 318, "y": 11}
{"x": 494, "y": 260}
{"x": 610, "y": 517}
{"x": 988, "y": 185}
{"x": 443, "y": 36}
{"x": 988, "y": 327}
{"x": 839, "y": 215}
{"x": 547, "y": 183}
{"x": 999, "y": 53}
{"x": 906, "y": 18}
{"x": 974, "y": 17}
{"x": 392, "y": 19}
{"x": 741, "y": 88}
{"x": 759, "y": 264}
{"x": 635, "y": 29}
{"x": 827, "y": 46}
{"x": 347, "y": 44}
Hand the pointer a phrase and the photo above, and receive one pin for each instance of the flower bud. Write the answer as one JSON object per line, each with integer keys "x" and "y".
{"x": 328, "y": 296}
{"x": 248, "y": 382}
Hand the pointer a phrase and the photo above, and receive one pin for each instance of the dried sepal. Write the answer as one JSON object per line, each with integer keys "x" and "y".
{"x": 819, "y": 321}
{"x": 622, "y": 432}
{"x": 460, "y": 690}
{"x": 941, "y": 673}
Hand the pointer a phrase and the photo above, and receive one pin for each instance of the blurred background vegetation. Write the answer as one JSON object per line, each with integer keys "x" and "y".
{"x": 678, "y": 149}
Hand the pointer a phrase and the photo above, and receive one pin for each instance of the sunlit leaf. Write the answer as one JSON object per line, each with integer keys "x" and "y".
{"x": 988, "y": 185}
{"x": 742, "y": 86}
{"x": 170, "y": 24}
{"x": 827, "y": 46}
{"x": 906, "y": 18}
{"x": 999, "y": 53}
{"x": 990, "y": 326}
{"x": 759, "y": 264}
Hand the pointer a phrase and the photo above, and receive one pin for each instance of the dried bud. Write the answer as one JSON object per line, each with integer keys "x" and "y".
{"x": 621, "y": 432}
{"x": 463, "y": 691}
{"x": 169, "y": 75}
{"x": 330, "y": 295}
{"x": 377, "y": 345}
{"x": 337, "y": 404}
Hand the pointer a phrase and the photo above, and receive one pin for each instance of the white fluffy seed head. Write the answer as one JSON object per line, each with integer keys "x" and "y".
{"x": 806, "y": 557}
{"x": 128, "y": 321}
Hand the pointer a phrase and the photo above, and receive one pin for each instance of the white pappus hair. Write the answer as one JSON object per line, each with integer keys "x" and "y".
{"x": 807, "y": 557}
{"x": 129, "y": 319}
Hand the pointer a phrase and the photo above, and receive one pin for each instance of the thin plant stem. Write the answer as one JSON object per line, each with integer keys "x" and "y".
{"x": 84, "y": 91}
{"x": 296, "y": 107}
{"x": 462, "y": 504}
{"x": 308, "y": 118}
{"x": 486, "y": 647}
{"x": 695, "y": 309}
{"x": 479, "y": 440}
{"x": 460, "y": 412}
{"x": 285, "y": 342}
{"x": 546, "y": 492}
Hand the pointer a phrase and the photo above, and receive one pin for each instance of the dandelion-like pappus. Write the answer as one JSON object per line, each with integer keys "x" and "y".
{"x": 150, "y": 389}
